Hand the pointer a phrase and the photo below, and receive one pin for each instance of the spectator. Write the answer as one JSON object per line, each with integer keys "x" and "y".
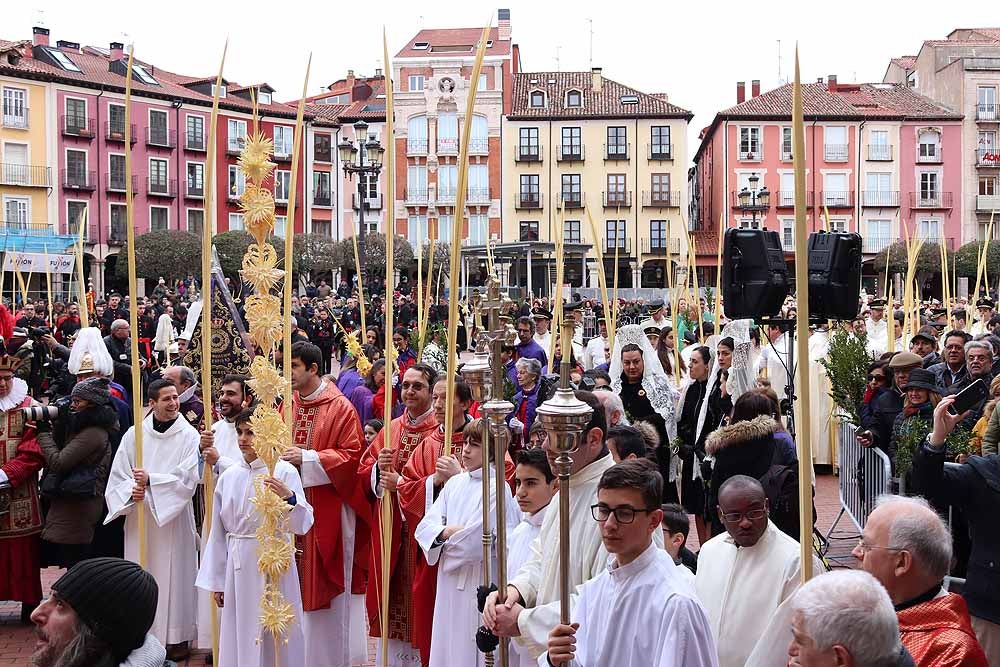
{"x": 526, "y": 398}
{"x": 919, "y": 400}
{"x": 952, "y": 368}
{"x": 987, "y": 429}
{"x": 878, "y": 383}
{"x": 978, "y": 364}
{"x": 924, "y": 345}
{"x": 877, "y": 428}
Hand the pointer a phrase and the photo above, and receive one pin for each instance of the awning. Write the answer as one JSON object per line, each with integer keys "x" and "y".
{"x": 14, "y": 240}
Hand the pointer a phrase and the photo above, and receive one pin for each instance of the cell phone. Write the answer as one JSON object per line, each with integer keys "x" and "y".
{"x": 969, "y": 397}
{"x": 863, "y": 432}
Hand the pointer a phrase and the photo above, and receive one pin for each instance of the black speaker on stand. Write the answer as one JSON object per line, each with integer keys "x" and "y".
{"x": 754, "y": 273}
{"x": 834, "y": 275}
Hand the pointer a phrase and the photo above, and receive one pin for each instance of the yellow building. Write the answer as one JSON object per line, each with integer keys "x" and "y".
{"x": 600, "y": 148}
{"x": 25, "y": 176}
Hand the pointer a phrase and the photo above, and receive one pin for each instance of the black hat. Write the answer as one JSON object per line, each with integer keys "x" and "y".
{"x": 540, "y": 313}
{"x": 690, "y": 337}
{"x": 655, "y": 305}
{"x": 877, "y": 303}
{"x": 652, "y": 330}
{"x": 574, "y": 305}
{"x": 601, "y": 317}
{"x": 925, "y": 334}
{"x": 115, "y": 598}
{"x": 938, "y": 312}
{"x": 985, "y": 302}
{"x": 921, "y": 379}
{"x": 96, "y": 390}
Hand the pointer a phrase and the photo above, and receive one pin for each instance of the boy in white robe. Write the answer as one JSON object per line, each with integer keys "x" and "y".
{"x": 534, "y": 486}
{"x": 451, "y": 536}
{"x": 640, "y": 611}
{"x": 229, "y": 563}
{"x": 163, "y": 487}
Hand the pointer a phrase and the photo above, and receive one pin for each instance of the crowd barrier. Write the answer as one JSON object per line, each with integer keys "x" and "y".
{"x": 865, "y": 474}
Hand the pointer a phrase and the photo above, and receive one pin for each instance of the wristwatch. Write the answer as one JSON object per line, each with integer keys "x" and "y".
{"x": 291, "y": 500}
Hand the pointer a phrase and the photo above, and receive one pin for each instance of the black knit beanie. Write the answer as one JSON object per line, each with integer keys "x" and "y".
{"x": 115, "y": 598}
{"x": 96, "y": 390}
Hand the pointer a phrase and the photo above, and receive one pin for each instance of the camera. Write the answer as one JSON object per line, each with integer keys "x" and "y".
{"x": 36, "y": 333}
{"x": 38, "y": 413}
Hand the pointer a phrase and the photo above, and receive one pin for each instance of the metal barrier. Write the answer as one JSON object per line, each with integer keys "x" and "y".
{"x": 865, "y": 474}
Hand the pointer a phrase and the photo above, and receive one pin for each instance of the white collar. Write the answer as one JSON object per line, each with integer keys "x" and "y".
{"x": 316, "y": 394}
{"x": 536, "y": 518}
{"x": 257, "y": 464}
{"x": 188, "y": 393}
{"x": 16, "y": 395}
{"x": 639, "y": 564}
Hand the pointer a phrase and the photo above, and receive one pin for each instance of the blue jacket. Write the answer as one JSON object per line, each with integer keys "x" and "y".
{"x": 532, "y": 350}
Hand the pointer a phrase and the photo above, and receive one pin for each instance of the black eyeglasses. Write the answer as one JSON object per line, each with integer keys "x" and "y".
{"x": 880, "y": 378}
{"x": 736, "y": 517}
{"x": 623, "y": 514}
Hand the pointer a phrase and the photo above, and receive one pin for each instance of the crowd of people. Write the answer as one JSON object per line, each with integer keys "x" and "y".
{"x": 687, "y": 427}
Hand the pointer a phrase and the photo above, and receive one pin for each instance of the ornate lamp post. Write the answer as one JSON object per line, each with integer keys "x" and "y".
{"x": 752, "y": 200}
{"x": 353, "y": 160}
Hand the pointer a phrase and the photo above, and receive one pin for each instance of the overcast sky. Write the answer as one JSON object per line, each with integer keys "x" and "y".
{"x": 693, "y": 51}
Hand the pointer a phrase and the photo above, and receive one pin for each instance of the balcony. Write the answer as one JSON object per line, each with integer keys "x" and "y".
{"x": 371, "y": 203}
{"x": 570, "y": 153}
{"x": 78, "y": 179}
{"x": 161, "y": 138}
{"x": 17, "y": 121}
{"x": 751, "y": 156}
{"x": 572, "y": 200}
{"x": 614, "y": 152}
{"x": 26, "y": 175}
{"x": 166, "y": 187}
{"x": 234, "y": 195}
{"x": 934, "y": 158}
{"x": 447, "y": 195}
{"x": 786, "y": 199}
{"x": 624, "y": 247}
{"x": 879, "y": 152}
{"x": 661, "y": 152}
{"x": 880, "y": 198}
{"x": 832, "y": 199}
{"x": 75, "y": 126}
{"x": 194, "y": 191}
{"x": 478, "y": 197}
{"x": 987, "y": 203}
{"x": 91, "y": 231}
{"x": 322, "y": 153}
{"x": 619, "y": 199}
{"x": 988, "y": 157}
{"x": 282, "y": 154}
{"x": 117, "y": 234}
{"x": 234, "y": 145}
{"x": 786, "y": 156}
{"x": 987, "y": 113}
{"x": 528, "y": 200}
{"x": 115, "y": 132}
{"x": 447, "y": 146}
{"x": 195, "y": 142}
{"x": 661, "y": 199}
{"x": 932, "y": 200}
{"x": 115, "y": 183}
{"x": 875, "y": 244}
{"x": 415, "y": 196}
{"x": 657, "y": 246}
{"x": 835, "y": 152}
{"x": 324, "y": 199}
{"x": 416, "y": 147}
{"x": 528, "y": 153}
{"x": 281, "y": 197}
{"x": 479, "y": 146}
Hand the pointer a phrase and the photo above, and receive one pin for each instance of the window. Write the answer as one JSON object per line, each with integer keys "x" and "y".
{"x": 159, "y": 218}
{"x": 987, "y": 107}
{"x": 447, "y": 183}
{"x": 416, "y": 229}
{"x": 527, "y": 146}
{"x": 879, "y": 148}
{"x": 237, "y": 133}
{"x": 369, "y": 185}
{"x": 416, "y": 183}
{"x": 479, "y": 183}
{"x": 528, "y": 230}
{"x": 660, "y": 147}
{"x": 445, "y": 226}
{"x": 616, "y": 195}
{"x": 878, "y": 234}
{"x": 571, "y": 193}
{"x": 322, "y": 148}
{"x": 786, "y": 143}
{"x": 529, "y": 190}
{"x": 116, "y": 172}
{"x": 929, "y": 228}
{"x": 76, "y": 169}
{"x": 16, "y": 212}
{"x": 117, "y": 221}
{"x": 878, "y": 190}
{"x": 76, "y": 116}
{"x": 483, "y": 83}
{"x": 280, "y": 222}
{"x": 263, "y": 98}
{"x": 658, "y": 234}
{"x": 15, "y": 108}
{"x": 479, "y": 139}
{"x": 571, "y": 232}
{"x": 63, "y": 60}
{"x": 195, "y": 179}
{"x": 788, "y": 233}
{"x": 987, "y": 185}
{"x": 237, "y": 182}
{"x": 447, "y": 132}
{"x": 141, "y": 73}
{"x": 660, "y": 189}
{"x": 194, "y": 133}
{"x": 322, "y": 196}
{"x": 838, "y": 225}
{"x": 222, "y": 96}
{"x": 615, "y": 234}
{"x": 236, "y": 222}
{"x": 416, "y": 135}
{"x": 157, "y": 175}
{"x": 628, "y": 100}
{"x": 195, "y": 220}
{"x": 986, "y": 139}
{"x": 415, "y": 82}
{"x": 835, "y": 143}
{"x": 572, "y": 143}
{"x": 928, "y": 187}
{"x": 421, "y": 46}
{"x": 282, "y": 140}
{"x": 536, "y": 99}
{"x": 478, "y": 229}
{"x": 321, "y": 227}
{"x": 786, "y": 192}
{"x": 835, "y": 191}
{"x": 617, "y": 142}
{"x": 750, "y": 144}
{"x": 282, "y": 180}
{"x": 574, "y": 99}
{"x": 158, "y": 128}
{"x": 74, "y": 216}
{"x": 929, "y": 146}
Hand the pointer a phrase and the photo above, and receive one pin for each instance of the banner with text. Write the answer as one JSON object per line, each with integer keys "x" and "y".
{"x": 34, "y": 262}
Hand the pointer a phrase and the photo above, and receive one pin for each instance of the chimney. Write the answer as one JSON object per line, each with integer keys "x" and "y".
{"x": 596, "y": 80}
{"x": 831, "y": 84}
{"x": 40, "y": 35}
{"x": 66, "y": 45}
{"x": 117, "y": 50}
{"x": 741, "y": 92}
{"x": 503, "y": 25}
{"x": 755, "y": 88}
{"x": 819, "y": 79}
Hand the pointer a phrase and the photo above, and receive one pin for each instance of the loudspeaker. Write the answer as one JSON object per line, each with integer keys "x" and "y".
{"x": 834, "y": 275}
{"x": 754, "y": 274}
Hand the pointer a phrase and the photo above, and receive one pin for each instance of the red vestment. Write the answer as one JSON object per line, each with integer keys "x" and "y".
{"x": 329, "y": 426}
{"x": 403, "y": 604}
{"x": 938, "y": 633}
{"x": 20, "y": 515}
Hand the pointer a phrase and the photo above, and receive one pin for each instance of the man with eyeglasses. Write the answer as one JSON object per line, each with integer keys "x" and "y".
{"x": 640, "y": 610}
{"x": 746, "y": 574}
{"x": 978, "y": 365}
{"x": 952, "y": 367}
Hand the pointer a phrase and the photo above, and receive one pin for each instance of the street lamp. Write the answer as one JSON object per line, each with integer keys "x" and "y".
{"x": 364, "y": 159}
{"x": 752, "y": 200}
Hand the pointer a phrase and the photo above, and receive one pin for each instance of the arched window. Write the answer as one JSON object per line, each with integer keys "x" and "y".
{"x": 537, "y": 99}
{"x": 574, "y": 99}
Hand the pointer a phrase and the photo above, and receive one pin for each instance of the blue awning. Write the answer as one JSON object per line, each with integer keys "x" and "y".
{"x": 13, "y": 240}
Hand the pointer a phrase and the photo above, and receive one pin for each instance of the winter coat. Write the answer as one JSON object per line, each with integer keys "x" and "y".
{"x": 992, "y": 435}
{"x": 925, "y": 413}
{"x": 880, "y": 421}
{"x": 71, "y": 519}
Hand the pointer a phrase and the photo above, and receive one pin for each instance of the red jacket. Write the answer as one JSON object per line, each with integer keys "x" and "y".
{"x": 938, "y": 633}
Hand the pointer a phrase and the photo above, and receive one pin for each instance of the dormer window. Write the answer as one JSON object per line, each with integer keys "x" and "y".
{"x": 263, "y": 98}
{"x": 222, "y": 91}
{"x": 537, "y": 99}
{"x": 143, "y": 75}
{"x": 63, "y": 60}
{"x": 421, "y": 46}
{"x": 629, "y": 99}
{"x": 574, "y": 99}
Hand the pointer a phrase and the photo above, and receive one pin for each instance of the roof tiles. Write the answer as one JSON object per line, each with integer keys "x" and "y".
{"x": 445, "y": 42}
{"x": 604, "y": 104}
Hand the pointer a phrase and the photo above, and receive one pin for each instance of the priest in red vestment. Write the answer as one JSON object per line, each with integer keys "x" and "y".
{"x": 334, "y": 560}
{"x": 20, "y": 515}
{"x": 383, "y": 471}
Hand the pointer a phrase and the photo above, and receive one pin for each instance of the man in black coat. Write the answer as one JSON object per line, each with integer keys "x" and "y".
{"x": 979, "y": 366}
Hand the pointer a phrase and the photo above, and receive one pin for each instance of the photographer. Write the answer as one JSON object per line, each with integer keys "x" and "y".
{"x": 77, "y": 455}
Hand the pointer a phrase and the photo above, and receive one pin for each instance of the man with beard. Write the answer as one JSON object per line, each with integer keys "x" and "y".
{"x": 219, "y": 446}
{"x": 114, "y": 311}
{"x": 383, "y": 469}
{"x": 68, "y": 324}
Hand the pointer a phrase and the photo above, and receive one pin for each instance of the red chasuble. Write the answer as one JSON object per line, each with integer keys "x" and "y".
{"x": 20, "y": 517}
{"x": 938, "y": 633}
{"x": 404, "y": 551}
{"x": 329, "y": 425}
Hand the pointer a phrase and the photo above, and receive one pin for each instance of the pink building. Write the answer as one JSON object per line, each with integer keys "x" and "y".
{"x": 877, "y": 155}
